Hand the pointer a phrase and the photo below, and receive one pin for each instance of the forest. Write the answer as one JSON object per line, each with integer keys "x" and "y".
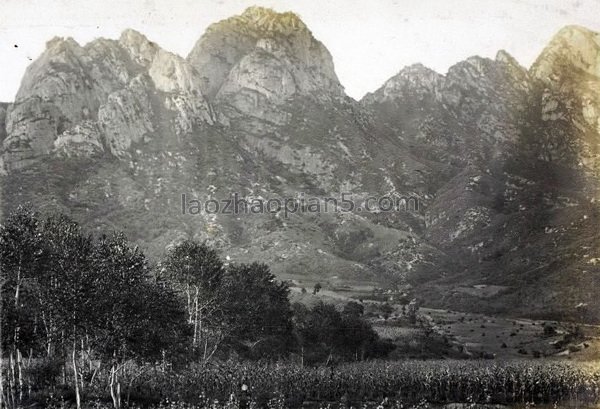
{"x": 86, "y": 318}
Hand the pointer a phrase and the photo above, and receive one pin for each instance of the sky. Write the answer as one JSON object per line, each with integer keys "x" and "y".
{"x": 370, "y": 40}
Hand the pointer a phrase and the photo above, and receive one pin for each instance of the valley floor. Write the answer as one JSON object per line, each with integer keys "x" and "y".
{"x": 466, "y": 335}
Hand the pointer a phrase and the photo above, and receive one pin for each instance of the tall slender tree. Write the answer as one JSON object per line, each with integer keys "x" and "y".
{"x": 196, "y": 272}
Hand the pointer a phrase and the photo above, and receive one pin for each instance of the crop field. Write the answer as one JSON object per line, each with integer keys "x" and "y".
{"x": 518, "y": 382}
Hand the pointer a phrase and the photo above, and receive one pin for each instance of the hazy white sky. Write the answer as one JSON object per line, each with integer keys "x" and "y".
{"x": 370, "y": 40}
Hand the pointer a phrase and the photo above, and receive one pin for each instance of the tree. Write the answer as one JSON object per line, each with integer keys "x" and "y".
{"x": 21, "y": 259}
{"x": 353, "y": 309}
{"x": 317, "y": 288}
{"x": 413, "y": 311}
{"x": 318, "y": 330}
{"x": 356, "y": 338}
{"x": 257, "y": 310}
{"x": 387, "y": 310}
{"x": 84, "y": 298}
{"x": 197, "y": 274}
{"x": 324, "y": 334}
{"x": 137, "y": 318}
{"x": 67, "y": 290}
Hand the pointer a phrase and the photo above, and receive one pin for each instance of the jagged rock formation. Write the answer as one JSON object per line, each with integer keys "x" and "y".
{"x": 254, "y": 62}
{"x": 503, "y": 159}
{"x": 256, "y": 40}
{"x": 568, "y": 71}
{"x": 467, "y": 116}
{"x": 518, "y": 210}
{"x": 100, "y": 97}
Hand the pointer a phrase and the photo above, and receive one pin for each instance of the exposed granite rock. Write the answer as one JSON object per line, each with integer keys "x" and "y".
{"x": 83, "y": 140}
{"x": 282, "y": 35}
{"x": 111, "y": 82}
{"x": 126, "y": 118}
{"x": 568, "y": 75}
{"x": 466, "y": 116}
{"x": 573, "y": 48}
{"x": 174, "y": 76}
{"x": 141, "y": 50}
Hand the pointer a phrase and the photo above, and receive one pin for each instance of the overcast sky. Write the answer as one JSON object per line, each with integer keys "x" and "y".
{"x": 370, "y": 40}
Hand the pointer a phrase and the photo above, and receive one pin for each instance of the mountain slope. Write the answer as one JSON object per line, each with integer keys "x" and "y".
{"x": 122, "y": 153}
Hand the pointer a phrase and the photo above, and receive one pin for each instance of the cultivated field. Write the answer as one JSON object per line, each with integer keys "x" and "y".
{"x": 388, "y": 384}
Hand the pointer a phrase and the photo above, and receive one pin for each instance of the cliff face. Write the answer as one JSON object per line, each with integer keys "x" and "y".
{"x": 568, "y": 75}
{"x": 105, "y": 96}
{"x": 259, "y": 47}
{"x": 502, "y": 158}
{"x": 253, "y": 63}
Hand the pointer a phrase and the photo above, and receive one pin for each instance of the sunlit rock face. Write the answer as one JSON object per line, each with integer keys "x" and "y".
{"x": 574, "y": 48}
{"x": 501, "y": 158}
{"x": 119, "y": 85}
{"x": 256, "y": 61}
{"x": 568, "y": 71}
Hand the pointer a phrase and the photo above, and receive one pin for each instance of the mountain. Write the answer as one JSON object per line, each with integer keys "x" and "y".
{"x": 519, "y": 212}
{"x": 501, "y": 158}
{"x": 265, "y": 53}
{"x": 462, "y": 118}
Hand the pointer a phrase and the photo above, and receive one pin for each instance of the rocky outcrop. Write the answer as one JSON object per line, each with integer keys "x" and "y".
{"x": 126, "y": 117}
{"x": 568, "y": 75}
{"x": 465, "y": 116}
{"x": 573, "y": 50}
{"x": 83, "y": 140}
{"x": 124, "y": 87}
{"x": 256, "y": 61}
{"x": 57, "y": 93}
{"x": 523, "y": 146}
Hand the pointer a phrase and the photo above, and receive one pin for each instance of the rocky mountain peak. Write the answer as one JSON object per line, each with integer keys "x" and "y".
{"x": 573, "y": 49}
{"x": 275, "y": 49}
{"x": 141, "y": 49}
{"x": 102, "y": 97}
{"x": 114, "y": 132}
{"x": 59, "y": 50}
{"x": 268, "y": 20}
{"x": 60, "y": 44}
{"x": 415, "y": 79}
{"x": 505, "y": 57}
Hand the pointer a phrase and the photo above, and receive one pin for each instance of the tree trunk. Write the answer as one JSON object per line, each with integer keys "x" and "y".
{"x": 1, "y": 349}
{"x": 16, "y": 335}
{"x": 75, "y": 377}
{"x": 196, "y": 306}
{"x": 115, "y": 388}
{"x": 20, "y": 373}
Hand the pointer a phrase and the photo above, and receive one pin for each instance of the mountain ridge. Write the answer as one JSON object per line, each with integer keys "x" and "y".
{"x": 502, "y": 159}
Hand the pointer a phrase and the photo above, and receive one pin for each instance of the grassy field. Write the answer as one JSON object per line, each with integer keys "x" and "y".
{"x": 472, "y": 335}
